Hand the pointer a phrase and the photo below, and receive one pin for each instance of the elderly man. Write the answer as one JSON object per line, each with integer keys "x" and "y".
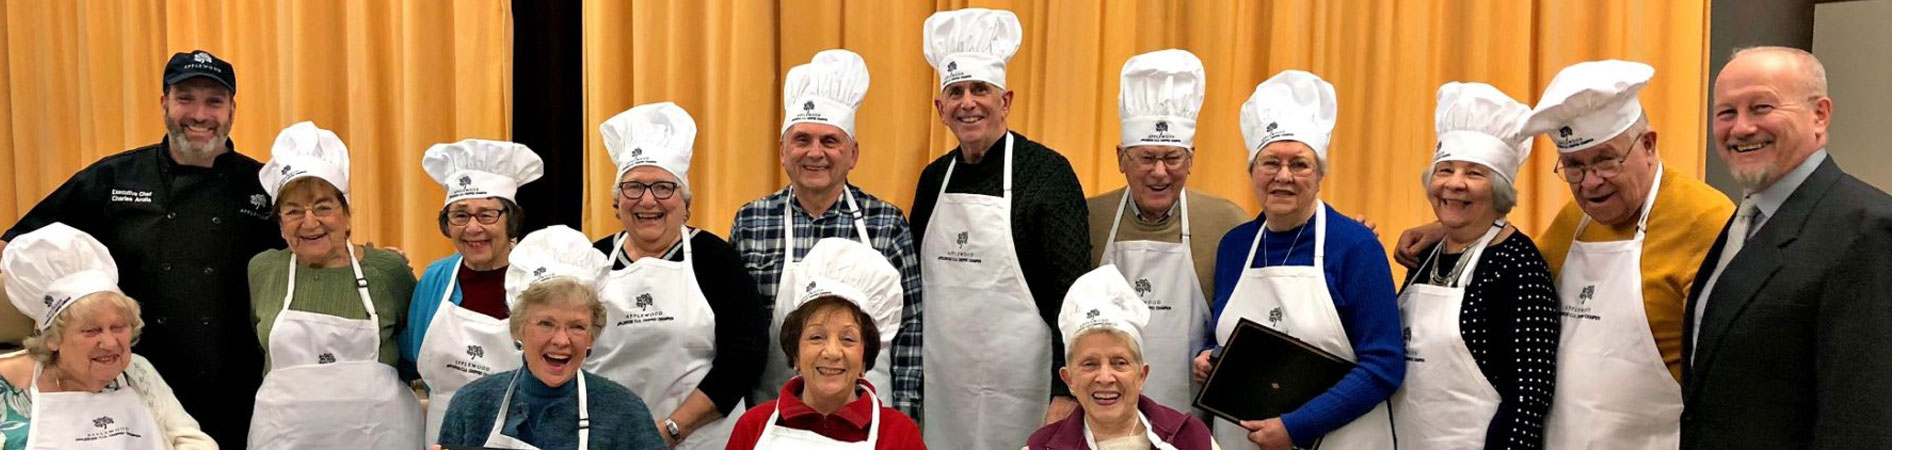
{"x": 817, "y": 150}
{"x": 1789, "y": 324}
{"x": 183, "y": 216}
{"x": 1161, "y": 235}
{"x": 1001, "y": 224}
{"x": 1622, "y": 306}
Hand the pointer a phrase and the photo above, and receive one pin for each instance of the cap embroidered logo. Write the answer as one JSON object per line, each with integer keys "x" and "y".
{"x": 1093, "y": 314}
{"x": 952, "y": 66}
{"x": 1272, "y": 126}
{"x": 1141, "y": 287}
{"x": 636, "y": 152}
{"x": 102, "y": 422}
{"x": 808, "y": 106}
{"x": 539, "y": 271}
{"x": 1566, "y": 132}
{"x": 1160, "y": 127}
{"x": 48, "y": 301}
{"x": 285, "y": 169}
{"x": 475, "y": 352}
{"x": 202, "y": 57}
{"x": 812, "y": 285}
{"x": 326, "y": 358}
{"x": 466, "y": 181}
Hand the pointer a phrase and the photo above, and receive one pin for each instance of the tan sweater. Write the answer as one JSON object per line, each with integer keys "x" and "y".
{"x": 1212, "y": 217}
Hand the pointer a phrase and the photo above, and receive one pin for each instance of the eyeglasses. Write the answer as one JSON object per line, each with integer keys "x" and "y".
{"x": 486, "y": 216}
{"x": 661, "y": 190}
{"x": 1605, "y": 168}
{"x": 1174, "y": 161}
{"x": 320, "y": 211}
{"x": 1271, "y": 166}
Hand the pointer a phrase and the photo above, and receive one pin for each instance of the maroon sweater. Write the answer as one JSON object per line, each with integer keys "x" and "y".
{"x": 1184, "y": 431}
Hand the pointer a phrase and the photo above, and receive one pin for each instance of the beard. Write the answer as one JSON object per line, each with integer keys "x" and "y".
{"x": 177, "y": 141}
{"x": 1754, "y": 180}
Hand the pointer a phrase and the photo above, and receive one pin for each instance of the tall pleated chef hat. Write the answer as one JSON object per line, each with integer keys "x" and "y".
{"x": 553, "y": 252}
{"x": 971, "y": 44}
{"x": 50, "y": 268}
{"x": 305, "y": 150}
{"x": 1476, "y": 123}
{"x": 1589, "y": 103}
{"x": 654, "y": 134}
{"x": 851, "y": 270}
{"x": 826, "y": 90}
{"x": 1160, "y": 97}
{"x": 1102, "y": 299}
{"x": 1294, "y": 105}
{"x": 479, "y": 168}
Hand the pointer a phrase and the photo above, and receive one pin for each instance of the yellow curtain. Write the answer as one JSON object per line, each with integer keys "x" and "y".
{"x": 81, "y": 80}
{"x": 724, "y": 62}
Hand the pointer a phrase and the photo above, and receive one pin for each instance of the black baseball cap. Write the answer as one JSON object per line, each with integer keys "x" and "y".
{"x": 197, "y": 63}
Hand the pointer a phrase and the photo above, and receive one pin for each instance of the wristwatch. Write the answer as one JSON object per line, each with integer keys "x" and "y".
{"x": 673, "y": 429}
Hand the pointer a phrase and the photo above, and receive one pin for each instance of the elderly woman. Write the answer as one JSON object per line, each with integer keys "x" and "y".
{"x": 849, "y": 309}
{"x": 327, "y": 313}
{"x": 1310, "y": 272}
{"x": 78, "y": 383}
{"x": 689, "y": 331}
{"x": 481, "y": 217}
{"x": 1103, "y": 321}
{"x": 1481, "y": 316}
{"x": 550, "y": 402}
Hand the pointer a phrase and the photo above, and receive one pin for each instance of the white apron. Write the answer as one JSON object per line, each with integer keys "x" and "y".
{"x": 1444, "y": 403}
{"x": 1086, "y": 429}
{"x": 776, "y": 437}
{"x": 327, "y": 387}
{"x": 1163, "y": 275}
{"x": 460, "y": 345}
{"x": 776, "y": 373}
{"x": 1295, "y": 300}
{"x": 1614, "y": 390}
{"x": 659, "y": 339}
{"x": 988, "y": 356}
{"x": 114, "y": 419}
{"x": 496, "y": 439}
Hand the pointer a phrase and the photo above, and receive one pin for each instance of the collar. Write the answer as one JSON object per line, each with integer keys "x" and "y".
{"x": 1140, "y": 216}
{"x": 839, "y": 203}
{"x": 994, "y": 151}
{"x": 857, "y": 413}
{"x": 1770, "y": 199}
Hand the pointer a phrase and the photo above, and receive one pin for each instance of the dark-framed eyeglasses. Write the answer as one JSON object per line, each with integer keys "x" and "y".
{"x": 486, "y": 217}
{"x": 1173, "y": 161}
{"x": 661, "y": 190}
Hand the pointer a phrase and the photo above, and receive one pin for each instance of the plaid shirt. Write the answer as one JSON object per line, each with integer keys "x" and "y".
{"x": 759, "y": 237}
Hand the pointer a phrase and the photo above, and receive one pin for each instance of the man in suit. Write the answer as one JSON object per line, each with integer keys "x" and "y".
{"x": 1788, "y": 338}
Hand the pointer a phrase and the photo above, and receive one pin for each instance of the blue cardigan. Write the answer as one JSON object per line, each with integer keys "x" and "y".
{"x": 426, "y": 301}
{"x": 1363, "y": 296}
{"x": 547, "y": 417}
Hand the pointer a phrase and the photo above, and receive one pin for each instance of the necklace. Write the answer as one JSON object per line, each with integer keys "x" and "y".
{"x": 1434, "y": 277}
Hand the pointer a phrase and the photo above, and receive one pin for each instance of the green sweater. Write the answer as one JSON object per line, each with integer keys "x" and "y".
{"x": 331, "y": 291}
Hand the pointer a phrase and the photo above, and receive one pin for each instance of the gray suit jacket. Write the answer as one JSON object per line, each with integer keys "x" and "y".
{"x": 1795, "y": 348}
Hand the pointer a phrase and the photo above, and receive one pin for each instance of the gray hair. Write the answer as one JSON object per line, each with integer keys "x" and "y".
{"x": 40, "y": 344}
{"x": 1504, "y": 194}
{"x": 1812, "y": 75}
{"x": 563, "y": 291}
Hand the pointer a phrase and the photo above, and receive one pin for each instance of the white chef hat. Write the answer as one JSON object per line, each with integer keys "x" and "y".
{"x": 971, "y": 44}
{"x": 553, "y": 252}
{"x": 827, "y": 90}
{"x": 851, "y": 270}
{"x": 479, "y": 168}
{"x": 1476, "y": 123}
{"x": 1160, "y": 97}
{"x": 49, "y": 268}
{"x": 1102, "y": 299}
{"x": 305, "y": 150}
{"x": 1294, "y": 105}
{"x": 1589, "y": 103}
{"x": 654, "y": 134}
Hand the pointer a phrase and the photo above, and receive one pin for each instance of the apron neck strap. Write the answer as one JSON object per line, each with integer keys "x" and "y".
{"x": 786, "y": 222}
{"x": 359, "y": 281}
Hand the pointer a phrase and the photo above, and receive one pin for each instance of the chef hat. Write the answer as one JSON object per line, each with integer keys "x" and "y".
{"x": 1589, "y": 103}
{"x": 827, "y": 90}
{"x": 654, "y": 134}
{"x": 49, "y": 268}
{"x": 552, "y": 252}
{"x": 1160, "y": 97}
{"x": 1477, "y": 123}
{"x": 305, "y": 150}
{"x": 851, "y": 270}
{"x": 479, "y": 168}
{"x": 1294, "y": 105}
{"x": 1102, "y": 299}
{"x": 971, "y": 44}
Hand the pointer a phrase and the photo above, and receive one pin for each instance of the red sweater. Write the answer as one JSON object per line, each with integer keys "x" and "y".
{"x": 849, "y": 424}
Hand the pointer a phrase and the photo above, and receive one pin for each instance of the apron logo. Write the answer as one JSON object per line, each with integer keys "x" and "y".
{"x": 326, "y": 358}
{"x": 1142, "y": 287}
{"x": 961, "y": 240}
{"x": 1274, "y": 316}
{"x": 102, "y": 422}
{"x": 475, "y": 352}
{"x": 1586, "y": 293}
{"x": 644, "y": 301}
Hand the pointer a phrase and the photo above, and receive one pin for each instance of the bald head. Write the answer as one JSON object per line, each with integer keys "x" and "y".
{"x": 1770, "y": 112}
